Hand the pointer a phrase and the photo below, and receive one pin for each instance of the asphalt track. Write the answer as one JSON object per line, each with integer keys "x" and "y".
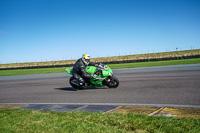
{"x": 177, "y": 85}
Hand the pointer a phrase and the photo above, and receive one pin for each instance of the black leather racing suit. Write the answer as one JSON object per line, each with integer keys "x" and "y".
{"x": 79, "y": 71}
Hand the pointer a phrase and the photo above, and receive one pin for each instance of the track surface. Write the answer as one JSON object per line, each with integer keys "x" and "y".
{"x": 175, "y": 85}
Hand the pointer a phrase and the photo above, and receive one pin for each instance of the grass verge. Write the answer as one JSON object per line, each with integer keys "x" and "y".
{"x": 112, "y": 66}
{"x": 18, "y": 120}
{"x": 155, "y": 63}
{"x": 31, "y": 71}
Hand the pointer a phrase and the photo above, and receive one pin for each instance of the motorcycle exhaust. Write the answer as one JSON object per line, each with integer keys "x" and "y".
{"x": 74, "y": 83}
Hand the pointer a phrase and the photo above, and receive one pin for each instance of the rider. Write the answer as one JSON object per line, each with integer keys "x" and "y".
{"x": 79, "y": 71}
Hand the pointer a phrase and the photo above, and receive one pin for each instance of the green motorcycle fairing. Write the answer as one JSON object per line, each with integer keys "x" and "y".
{"x": 104, "y": 70}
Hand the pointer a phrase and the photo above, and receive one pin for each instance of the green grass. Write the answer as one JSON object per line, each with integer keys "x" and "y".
{"x": 83, "y": 122}
{"x": 31, "y": 71}
{"x": 155, "y": 63}
{"x": 112, "y": 66}
{"x": 173, "y": 54}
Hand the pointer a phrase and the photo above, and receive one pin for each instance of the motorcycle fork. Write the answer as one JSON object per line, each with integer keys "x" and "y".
{"x": 108, "y": 79}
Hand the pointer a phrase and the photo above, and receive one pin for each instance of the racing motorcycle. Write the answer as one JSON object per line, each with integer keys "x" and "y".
{"x": 104, "y": 77}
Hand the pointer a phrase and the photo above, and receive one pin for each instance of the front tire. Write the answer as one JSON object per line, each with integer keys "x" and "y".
{"x": 113, "y": 83}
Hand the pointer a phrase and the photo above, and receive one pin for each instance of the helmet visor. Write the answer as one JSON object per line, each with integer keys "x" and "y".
{"x": 87, "y": 60}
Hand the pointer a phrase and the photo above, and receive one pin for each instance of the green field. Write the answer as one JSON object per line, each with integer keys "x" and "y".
{"x": 30, "y": 121}
{"x": 147, "y": 56}
{"x": 112, "y": 66}
{"x": 155, "y": 63}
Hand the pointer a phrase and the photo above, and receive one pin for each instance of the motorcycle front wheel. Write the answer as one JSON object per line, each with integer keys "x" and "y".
{"x": 113, "y": 83}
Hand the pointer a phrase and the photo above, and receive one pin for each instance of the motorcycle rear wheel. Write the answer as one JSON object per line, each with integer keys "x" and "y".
{"x": 73, "y": 83}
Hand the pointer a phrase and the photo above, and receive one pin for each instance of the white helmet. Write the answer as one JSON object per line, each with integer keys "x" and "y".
{"x": 86, "y": 59}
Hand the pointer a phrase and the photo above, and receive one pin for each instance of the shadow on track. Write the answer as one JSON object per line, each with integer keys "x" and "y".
{"x": 66, "y": 89}
{"x": 72, "y": 89}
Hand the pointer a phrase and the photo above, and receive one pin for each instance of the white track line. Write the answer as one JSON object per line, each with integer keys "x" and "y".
{"x": 114, "y": 104}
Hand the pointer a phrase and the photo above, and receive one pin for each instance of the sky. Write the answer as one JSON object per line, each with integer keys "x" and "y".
{"x": 47, "y": 30}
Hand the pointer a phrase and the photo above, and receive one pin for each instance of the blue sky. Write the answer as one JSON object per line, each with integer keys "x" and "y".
{"x": 44, "y": 30}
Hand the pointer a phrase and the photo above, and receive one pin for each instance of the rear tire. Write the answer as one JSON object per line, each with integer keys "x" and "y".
{"x": 73, "y": 82}
{"x": 113, "y": 83}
